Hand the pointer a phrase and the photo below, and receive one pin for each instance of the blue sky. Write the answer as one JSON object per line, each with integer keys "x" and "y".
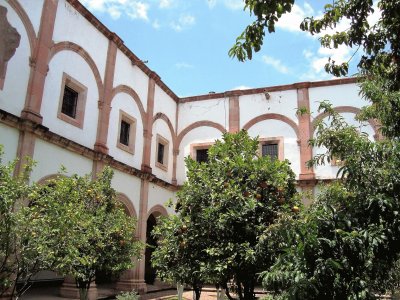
{"x": 187, "y": 42}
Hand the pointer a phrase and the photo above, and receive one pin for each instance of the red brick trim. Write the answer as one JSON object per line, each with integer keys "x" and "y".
{"x": 196, "y": 125}
{"x": 30, "y": 31}
{"x": 272, "y": 116}
{"x": 70, "y": 46}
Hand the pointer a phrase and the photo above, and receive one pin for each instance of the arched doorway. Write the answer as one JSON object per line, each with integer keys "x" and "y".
{"x": 151, "y": 243}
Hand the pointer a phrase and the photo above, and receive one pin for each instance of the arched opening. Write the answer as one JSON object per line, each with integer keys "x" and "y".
{"x": 151, "y": 243}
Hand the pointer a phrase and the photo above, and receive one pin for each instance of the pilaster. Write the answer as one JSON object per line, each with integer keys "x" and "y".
{"x": 40, "y": 63}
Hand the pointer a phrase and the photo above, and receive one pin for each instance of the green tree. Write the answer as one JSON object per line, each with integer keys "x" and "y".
{"x": 17, "y": 260}
{"x": 80, "y": 226}
{"x": 347, "y": 245}
{"x": 223, "y": 208}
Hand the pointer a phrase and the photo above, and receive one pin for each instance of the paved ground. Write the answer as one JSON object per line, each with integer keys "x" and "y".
{"x": 52, "y": 293}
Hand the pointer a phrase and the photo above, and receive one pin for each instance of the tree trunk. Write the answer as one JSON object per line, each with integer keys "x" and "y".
{"x": 83, "y": 287}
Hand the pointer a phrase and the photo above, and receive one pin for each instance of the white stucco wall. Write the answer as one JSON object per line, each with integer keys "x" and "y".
{"x": 129, "y": 186}
{"x": 76, "y": 67}
{"x": 161, "y": 128}
{"x": 338, "y": 95}
{"x": 82, "y": 33}
{"x": 215, "y": 110}
{"x": 159, "y": 195}
{"x": 125, "y": 103}
{"x": 34, "y": 11}
{"x": 283, "y": 103}
{"x": 13, "y": 95}
{"x": 328, "y": 171}
{"x": 165, "y": 104}
{"x": 9, "y": 140}
{"x": 195, "y": 136}
{"x": 50, "y": 157}
{"x": 275, "y": 128}
{"x": 132, "y": 76}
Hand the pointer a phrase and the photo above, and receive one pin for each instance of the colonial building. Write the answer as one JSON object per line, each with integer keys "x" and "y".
{"x": 82, "y": 99}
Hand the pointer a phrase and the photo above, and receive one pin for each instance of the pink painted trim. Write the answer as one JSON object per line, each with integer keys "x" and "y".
{"x": 196, "y": 125}
{"x": 70, "y": 46}
{"x": 128, "y": 205}
{"x": 157, "y": 210}
{"x": 273, "y": 140}
{"x": 347, "y": 109}
{"x": 199, "y": 146}
{"x": 276, "y": 88}
{"x": 128, "y": 90}
{"x": 30, "y": 31}
{"x": 47, "y": 178}
{"x": 162, "y": 116}
{"x": 272, "y": 116}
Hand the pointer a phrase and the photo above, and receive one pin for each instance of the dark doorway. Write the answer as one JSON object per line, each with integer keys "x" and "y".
{"x": 150, "y": 272}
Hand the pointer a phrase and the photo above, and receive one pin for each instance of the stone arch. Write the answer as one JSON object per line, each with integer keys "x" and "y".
{"x": 47, "y": 178}
{"x": 30, "y": 31}
{"x": 70, "y": 46}
{"x": 196, "y": 125}
{"x": 272, "y": 116}
{"x": 162, "y": 116}
{"x": 157, "y": 210}
{"x": 346, "y": 109}
{"x": 128, "y": 90}
{"x": 128, "y": 206}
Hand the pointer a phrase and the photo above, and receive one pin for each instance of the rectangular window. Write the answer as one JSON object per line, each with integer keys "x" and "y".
{"x": 270, "y": 150}
{"x": 162, "y": 152}
{"x": 127, "y": 132}
{"x": 272, "y": 147}
{"x": 124, "y": 133}
{"x": 202, "y": 155}
{"x": 70, "y": 101}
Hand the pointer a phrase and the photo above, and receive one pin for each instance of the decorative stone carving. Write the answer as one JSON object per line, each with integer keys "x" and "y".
{"x": 9, "y": 42}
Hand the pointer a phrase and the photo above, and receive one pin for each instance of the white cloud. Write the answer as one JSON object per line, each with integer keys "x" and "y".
{"x": 156, "y": 24}
{"x": 291, "y": 21}
{"x": 242, "y": 87}
{"x": 211, "y": 3}
{"x": 165, "y": 3}
{"x": 275, "y": 63}
{"x": 230, "y": 4}
{"x": 234, "y": 4}
{"x": 317, "y": 61}
{"x": 183, "y": 65}
{"x": 185, "y": 21}
{"x": 134, "y": 9}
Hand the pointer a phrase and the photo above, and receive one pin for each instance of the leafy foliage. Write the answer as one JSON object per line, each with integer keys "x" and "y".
{"x": 79, "y": 226}
{"x": 344, "y": 246}
{"x": 223, "y": 209}
{"x": 17, "y": 262}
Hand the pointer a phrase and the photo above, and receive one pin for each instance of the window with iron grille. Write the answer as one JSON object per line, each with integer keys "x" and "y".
{"x": 202, "y": 155}
{"x": 70, "y": 101}
{"x": 124, "y": 133}
{"x": 270, "y": 149}
{"x": 160, "y": 153}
